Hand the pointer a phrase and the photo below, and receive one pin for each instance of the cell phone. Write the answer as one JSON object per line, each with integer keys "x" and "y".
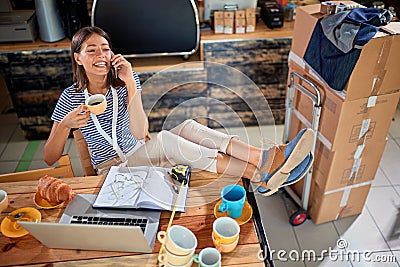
{"x": 115, "y": 69}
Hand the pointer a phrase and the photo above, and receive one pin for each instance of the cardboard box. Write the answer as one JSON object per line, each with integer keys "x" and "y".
{"x": 240, "y": 25}
{"x": 353, "y": 164}
{"x": 376, "y": 71}
{"x": 344, "y": 123}
{"x": 250, "y": 20}
{"x": 340, "y": 203}
{"x": 228, "y": 26}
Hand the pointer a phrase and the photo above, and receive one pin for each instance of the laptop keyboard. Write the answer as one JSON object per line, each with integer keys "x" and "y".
{"x": 141, "y": 222}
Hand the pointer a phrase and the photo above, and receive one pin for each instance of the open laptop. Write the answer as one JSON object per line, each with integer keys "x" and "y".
{"x": 82, "y": 227}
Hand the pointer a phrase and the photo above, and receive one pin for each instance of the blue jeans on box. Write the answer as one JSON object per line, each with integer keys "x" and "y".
{"x": 336, "y": 43}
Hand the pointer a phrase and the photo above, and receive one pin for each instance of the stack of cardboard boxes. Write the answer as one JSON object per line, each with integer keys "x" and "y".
{"x": 354, "y": 123}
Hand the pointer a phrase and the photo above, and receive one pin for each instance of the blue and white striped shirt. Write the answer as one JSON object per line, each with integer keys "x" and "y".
{"x": 100, "y": 149}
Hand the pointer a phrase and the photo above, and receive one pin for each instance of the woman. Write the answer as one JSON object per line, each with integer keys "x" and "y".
{"x": 117, "y": 137}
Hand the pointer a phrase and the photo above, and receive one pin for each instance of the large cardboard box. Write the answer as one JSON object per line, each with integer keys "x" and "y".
{"x": 351, "y": 165}
{"x": 344, "y": 124}
{"x": 376, "y": 71}
{"x": 340, "y": 203}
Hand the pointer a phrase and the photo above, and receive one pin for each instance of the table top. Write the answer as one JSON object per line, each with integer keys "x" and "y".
{"x": 204, "y": 193}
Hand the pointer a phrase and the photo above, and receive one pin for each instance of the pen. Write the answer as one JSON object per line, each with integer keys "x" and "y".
{"x": 172, "y": 183}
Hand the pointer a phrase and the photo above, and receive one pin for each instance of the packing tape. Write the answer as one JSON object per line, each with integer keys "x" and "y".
{"x": 379, "y": 70}
{"x": 372, "y": 101}
{"x": 354, "y": 171}
{"x": 364, "y": 128}
{"x": 346, "y": 196}
{"x": 359, "y": 151}
{"x": 296, "y": 59}
{"x": 348, "y": 187}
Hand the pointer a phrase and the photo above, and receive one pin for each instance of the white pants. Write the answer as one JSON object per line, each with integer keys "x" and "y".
{"x": 189, "y": 143}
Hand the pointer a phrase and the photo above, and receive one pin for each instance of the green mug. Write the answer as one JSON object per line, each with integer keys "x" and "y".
{"x": 208, "y": 257}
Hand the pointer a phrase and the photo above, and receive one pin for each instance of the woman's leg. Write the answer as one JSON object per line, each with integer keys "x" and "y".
{"x": 233, "y": 166}
{"x": 228, "y": 144}
{"x": 168, "y": 149}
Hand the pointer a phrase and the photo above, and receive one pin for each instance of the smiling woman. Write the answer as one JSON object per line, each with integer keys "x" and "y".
{"x": 115, "y": 136}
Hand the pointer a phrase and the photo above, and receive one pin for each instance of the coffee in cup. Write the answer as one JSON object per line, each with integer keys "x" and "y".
{"x": 96, "y": 104}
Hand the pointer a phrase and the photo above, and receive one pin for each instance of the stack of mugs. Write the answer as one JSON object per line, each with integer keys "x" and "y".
{"x": 179, "y": 243}
{"x": 179, "y": 246}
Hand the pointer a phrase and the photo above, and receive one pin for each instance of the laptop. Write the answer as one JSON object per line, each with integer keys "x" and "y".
{"x": 82, "y": 227}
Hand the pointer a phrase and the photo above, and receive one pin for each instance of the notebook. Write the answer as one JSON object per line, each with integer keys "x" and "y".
{"x": 140, "y": 187}
{"x": 93, "y": 236}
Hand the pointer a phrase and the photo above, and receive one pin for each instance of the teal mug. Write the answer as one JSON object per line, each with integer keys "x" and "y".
{"x": 233, "y": 198}
{"x": 208, "y": 257}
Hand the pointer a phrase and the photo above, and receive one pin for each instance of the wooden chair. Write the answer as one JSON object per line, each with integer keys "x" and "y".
{"x": 84, "y": 153}
{"x": 63, "y": 170}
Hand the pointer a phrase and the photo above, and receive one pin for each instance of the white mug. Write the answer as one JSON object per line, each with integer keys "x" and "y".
{"x": 179, "y": 240}
{"x": 173, "y": 259}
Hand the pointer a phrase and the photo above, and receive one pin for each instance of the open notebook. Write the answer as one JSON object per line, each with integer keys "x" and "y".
{"x": 140, "y": 187}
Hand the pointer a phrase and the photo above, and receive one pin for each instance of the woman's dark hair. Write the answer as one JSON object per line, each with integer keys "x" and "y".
{"x": 78, "y": 71}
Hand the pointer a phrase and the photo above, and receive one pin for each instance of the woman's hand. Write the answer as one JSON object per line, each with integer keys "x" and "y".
{"x": 123, "y": 67}
{"x": 77, "y": 118}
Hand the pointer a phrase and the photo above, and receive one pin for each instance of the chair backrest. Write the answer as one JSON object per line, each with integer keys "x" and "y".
{"x": 84, "y": 153}
{"x": 63, "y": 170}
{"x": 149, "y": 28}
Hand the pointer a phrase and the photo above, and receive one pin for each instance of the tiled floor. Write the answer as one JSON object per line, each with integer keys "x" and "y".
{"x": 375, "y": 233}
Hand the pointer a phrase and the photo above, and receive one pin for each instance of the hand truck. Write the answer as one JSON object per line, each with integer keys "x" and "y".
{"x": 300, "y": 216}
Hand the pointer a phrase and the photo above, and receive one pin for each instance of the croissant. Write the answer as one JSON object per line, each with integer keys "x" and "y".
{"x": 54, "y": 190}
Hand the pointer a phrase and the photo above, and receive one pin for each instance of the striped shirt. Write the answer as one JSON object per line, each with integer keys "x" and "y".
{"x": 99, "y": 148}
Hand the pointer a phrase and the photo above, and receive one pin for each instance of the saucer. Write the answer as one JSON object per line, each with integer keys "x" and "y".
{"x": 247, "y": 212}
{"x": 12, "y": 229}
{"x": 44, "y": 204}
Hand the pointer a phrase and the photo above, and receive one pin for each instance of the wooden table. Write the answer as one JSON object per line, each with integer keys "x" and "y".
{"x": 204, "y": 193}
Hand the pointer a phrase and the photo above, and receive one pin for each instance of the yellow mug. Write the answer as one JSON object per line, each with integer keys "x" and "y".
{"x": 225, "y": 248}
{"x": 96, "y": 104}
{"x": 225, "y": 230}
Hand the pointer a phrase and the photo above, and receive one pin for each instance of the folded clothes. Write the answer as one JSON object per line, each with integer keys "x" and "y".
{"x": 337, "y": 40}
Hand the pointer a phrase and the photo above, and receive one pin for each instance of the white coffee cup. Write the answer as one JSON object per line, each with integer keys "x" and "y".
{"x": 179, "y": 240}
{"x": 176, "y": 260}
{"x": 3, "y": 200}
{"x": 96, "y": 104}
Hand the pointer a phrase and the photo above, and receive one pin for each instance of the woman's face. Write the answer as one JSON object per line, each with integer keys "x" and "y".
{"x": 94, "y": 56}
